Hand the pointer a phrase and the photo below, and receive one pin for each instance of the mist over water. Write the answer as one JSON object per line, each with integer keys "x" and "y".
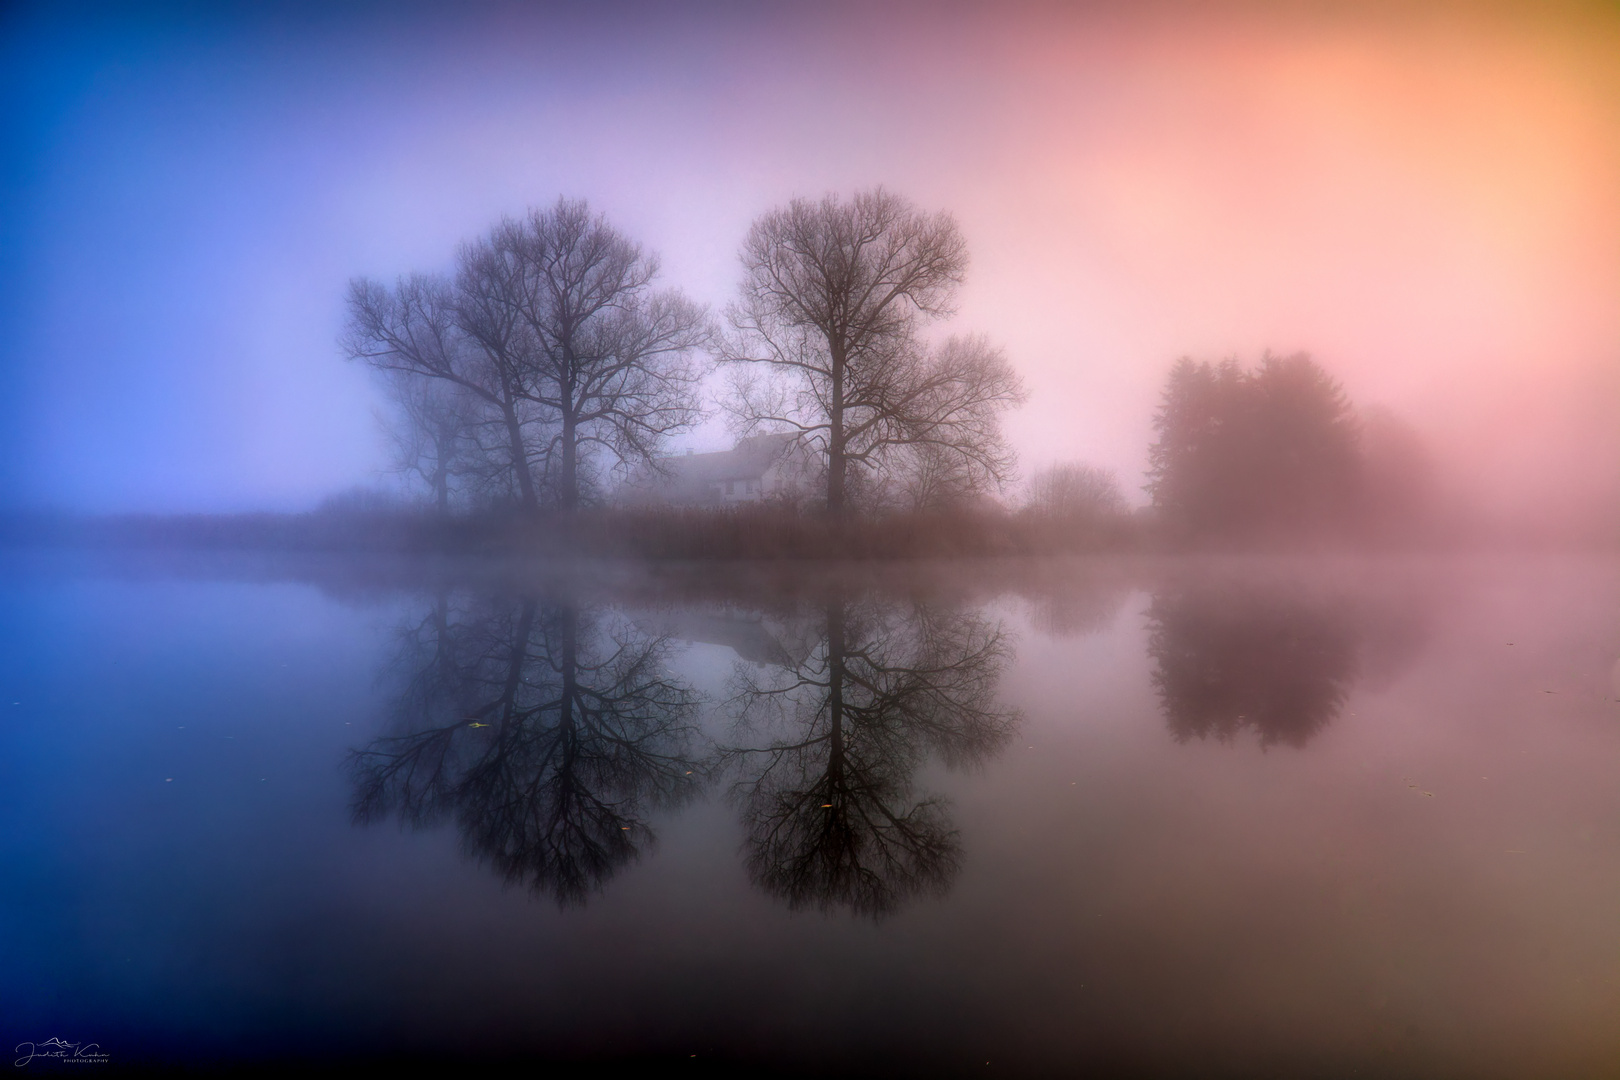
{"x": 1326, "y": 814}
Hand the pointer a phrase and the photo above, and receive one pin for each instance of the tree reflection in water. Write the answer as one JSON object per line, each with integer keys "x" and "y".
{"x": 830, "y": 746}
{"x": 547, "y": 732}
{"x": 1277, "y": 661}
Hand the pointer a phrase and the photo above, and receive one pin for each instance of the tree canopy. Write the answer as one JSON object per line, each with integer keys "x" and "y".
{"x": 833, "y": 300}
{"x": 552, "y": 325}
{"x": 549, "y": 733}
{"x": 1245, "y": 453}
{"x": 831, "y": 745}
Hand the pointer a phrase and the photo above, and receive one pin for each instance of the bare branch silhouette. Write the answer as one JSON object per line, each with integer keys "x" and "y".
{"x": 832, "y": 301}
{"x": 545, "y": 732}
{"x": 825, "y": 778}
{"x": 552, "y": 323}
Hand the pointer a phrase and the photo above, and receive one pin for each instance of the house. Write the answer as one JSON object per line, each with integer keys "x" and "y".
{"x": 760, "y": 467}
{"x": 759, "y": 639}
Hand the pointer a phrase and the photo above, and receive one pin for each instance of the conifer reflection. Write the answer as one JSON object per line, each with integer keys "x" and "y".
{"x": 833, "y": 742}
{"x": 547, "y": 732}
{"x": 1278, "y": 663}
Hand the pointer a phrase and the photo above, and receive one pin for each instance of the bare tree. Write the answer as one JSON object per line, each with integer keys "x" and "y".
{"x": 832, "y": 302}
{"x": 1071, "y": 490}
{"x": 611, "y": 356}
{"x": 428, "y": 327}
{"x": 830, "y": 745}
{"x": 552, "y": 321}
{"x": 549, "y": 733}
{"x": 434, "y": 430}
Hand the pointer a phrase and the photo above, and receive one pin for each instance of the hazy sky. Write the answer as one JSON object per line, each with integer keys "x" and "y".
{"x": 1425, "y": 198}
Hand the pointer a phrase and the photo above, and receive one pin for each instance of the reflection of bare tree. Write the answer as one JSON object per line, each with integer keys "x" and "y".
{"x": 826, "y": 780}
{"x": 545, "y": 732}
{"x": 1276, "y": 661}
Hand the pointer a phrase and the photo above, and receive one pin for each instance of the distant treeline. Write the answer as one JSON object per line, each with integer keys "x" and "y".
{"x": 745, "y": 532}
{"x": 541, "y": 381}
{"x": 548, "y": 370}
{"x": 1270, "y": 457}
{"x": 1278, "y": 453}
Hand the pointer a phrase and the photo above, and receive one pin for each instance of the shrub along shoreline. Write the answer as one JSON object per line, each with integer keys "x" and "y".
{"x": 742, "y": 533}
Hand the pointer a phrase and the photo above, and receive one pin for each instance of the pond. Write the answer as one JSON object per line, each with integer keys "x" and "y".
{"x": 1235, "y": 816}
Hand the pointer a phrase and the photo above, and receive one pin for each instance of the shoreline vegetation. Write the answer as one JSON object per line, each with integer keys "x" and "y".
{"x": 536, "y": 389}
{"x": 749, "y": 533}
{"x": 745, "y": 533}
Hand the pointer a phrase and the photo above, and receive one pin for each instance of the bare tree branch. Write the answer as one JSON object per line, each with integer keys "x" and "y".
{"x": 833, "y": 296}
{"x": 552, "y": 322}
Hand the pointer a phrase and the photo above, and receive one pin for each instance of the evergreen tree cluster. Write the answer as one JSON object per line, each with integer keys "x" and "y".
{"x": 1243, "y": 453}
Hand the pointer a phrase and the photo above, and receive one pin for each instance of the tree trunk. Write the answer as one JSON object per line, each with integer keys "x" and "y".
{"x": 514, "y": 668}
{"x": 520, "y": 458}
{"x": 441, "y": 636}
{"x": 837, "y": 466}
{"x": 570, "y": 462}
{"x": 441, "y": 481}
{"x": 568, "y": 666}
{"x": 567, "y": 381}
{"x": 835, "y": 693}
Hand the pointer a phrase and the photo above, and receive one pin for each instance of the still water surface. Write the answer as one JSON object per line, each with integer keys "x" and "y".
{"x": 1211, "y": 818}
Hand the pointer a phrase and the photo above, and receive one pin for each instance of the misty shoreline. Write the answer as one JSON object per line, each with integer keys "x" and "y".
{"x": 744, "y": 536}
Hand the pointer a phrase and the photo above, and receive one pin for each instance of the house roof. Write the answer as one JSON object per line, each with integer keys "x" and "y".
{"x": 748, "y": 460}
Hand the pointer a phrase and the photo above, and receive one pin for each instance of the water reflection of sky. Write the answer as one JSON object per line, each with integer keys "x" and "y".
{"x": 1310, "y": 815}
